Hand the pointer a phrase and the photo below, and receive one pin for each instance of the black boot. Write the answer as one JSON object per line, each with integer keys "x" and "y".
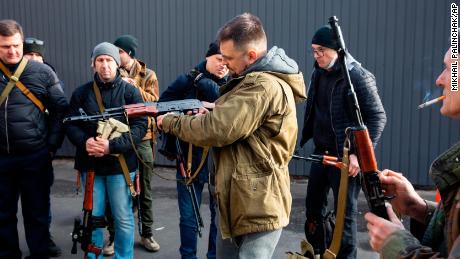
{"x": 53, "y": 249}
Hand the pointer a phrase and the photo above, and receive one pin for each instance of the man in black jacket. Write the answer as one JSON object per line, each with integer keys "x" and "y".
{"x": 30, "y": 133}
{"x": 34, "y": 49}
{"x": 326, "y": 118}
{"x": 97, "y": 153}
{"x": 203, "y": 83}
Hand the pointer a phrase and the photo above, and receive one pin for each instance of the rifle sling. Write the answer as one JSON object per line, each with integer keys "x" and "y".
{"x": 14, "y": 80}
{"x": 334, "y": 248}
{"x": 121, "y": 158}
{"x": 204, "y": 157}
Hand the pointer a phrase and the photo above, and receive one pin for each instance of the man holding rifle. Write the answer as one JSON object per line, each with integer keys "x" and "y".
{"x": 327, "y": 116}
{"x": 440, "y": 222}
{"x": 253, "y": 131}
{"x": 135, "y": 72}
{"x": 112, "y": 160}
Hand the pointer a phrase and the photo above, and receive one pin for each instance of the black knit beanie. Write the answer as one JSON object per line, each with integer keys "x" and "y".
{"x": 324, "y": 36}
{"x": 127, "y": 43}
{"x": 34, "y": 45}
{"x": 213, "y": 49}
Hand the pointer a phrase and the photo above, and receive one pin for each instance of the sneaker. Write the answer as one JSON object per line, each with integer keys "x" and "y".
{"x": 53, "y": 249}
{"x": 150, "y": 244}
{"x": 108, "y": 249}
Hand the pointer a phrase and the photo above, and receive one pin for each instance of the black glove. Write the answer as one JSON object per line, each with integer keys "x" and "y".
{"x": 195, "y": 75}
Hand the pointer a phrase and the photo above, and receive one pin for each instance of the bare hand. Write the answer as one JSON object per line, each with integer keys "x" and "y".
{"x": 406, "y": 201}
{"x": 198, "y": 112}
{"x": 97, "y": 147}
{"x": 353, "y": 168}
{"x": 208, "y": 105}
{"x": 380, "y": 229}
{"x": 160, "y": 120}
{"x": 129, "y": 80}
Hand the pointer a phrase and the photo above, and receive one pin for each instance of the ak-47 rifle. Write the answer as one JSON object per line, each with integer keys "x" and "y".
{"x": 82, "y": 232}
{"x": 365, "y": 151}
{"x": 141, "y": 109}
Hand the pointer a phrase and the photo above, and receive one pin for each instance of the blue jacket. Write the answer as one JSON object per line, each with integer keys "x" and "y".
{"x": 205, "y": 89}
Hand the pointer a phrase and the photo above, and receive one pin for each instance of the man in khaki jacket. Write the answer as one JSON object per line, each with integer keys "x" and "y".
{"x": 253, "y": 128}
{"x": 135, "y": 72}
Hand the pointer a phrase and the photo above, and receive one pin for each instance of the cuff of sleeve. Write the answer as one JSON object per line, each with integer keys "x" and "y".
{"x": 398, "y": 243}
{"x": 430, "y": 209}
{"x": 168, "y": 122}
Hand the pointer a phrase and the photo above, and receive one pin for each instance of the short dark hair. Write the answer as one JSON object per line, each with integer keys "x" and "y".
{"x": 242, "y": 29}
{"x": 10, "y": 28}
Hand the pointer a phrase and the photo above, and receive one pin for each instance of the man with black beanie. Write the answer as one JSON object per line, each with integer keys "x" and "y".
{"x": 202, "y": 82}
{"x": 326, "y": 118}
{"x": 34, "y": 49}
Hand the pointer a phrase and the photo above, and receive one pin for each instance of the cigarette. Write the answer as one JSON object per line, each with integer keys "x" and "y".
{"x": 423, "y": 105}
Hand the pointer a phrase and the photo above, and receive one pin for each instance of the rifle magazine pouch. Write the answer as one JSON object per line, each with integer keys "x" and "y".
{"x": 111, "y": 128}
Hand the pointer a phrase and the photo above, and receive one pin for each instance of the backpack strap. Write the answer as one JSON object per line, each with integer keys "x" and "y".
{"x": 14, "y": 80}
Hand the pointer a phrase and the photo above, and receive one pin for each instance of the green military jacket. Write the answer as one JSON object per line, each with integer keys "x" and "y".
{"x": 253, "y": 128}
{"x": 441, "y": 237}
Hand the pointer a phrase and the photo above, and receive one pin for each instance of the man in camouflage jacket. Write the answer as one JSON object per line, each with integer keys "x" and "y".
{"x": 441, "y": 221}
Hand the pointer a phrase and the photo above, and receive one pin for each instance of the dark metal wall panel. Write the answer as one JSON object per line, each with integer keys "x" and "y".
{"x": 401, "y": 42}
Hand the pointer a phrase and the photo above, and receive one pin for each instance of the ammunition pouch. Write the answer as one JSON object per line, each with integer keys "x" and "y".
{"x": 111, "y": 128}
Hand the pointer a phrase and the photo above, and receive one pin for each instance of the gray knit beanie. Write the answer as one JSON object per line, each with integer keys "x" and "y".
{"x": 106, "y": 48}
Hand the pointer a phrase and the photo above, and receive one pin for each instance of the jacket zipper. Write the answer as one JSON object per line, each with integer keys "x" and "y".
{"x": 6, "y": 126}
{"x": 332, "y": 125}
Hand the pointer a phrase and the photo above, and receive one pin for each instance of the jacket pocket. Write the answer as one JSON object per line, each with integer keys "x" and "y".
{"x": 255, "y": 196}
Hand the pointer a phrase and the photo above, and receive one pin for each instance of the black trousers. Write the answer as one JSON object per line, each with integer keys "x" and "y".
{"x": 29, "y": 177}
{"x": 322, "y": 179}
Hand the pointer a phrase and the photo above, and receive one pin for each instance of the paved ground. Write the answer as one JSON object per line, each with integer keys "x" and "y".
{"x": 66, "y": 205}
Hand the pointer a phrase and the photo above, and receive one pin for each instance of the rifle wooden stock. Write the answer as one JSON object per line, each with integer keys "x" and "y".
{"x": 88, "y": 224}
{"x": 365, "y": 151}
{"x": 88, "y": 198}
{"x": 371, "y": 183}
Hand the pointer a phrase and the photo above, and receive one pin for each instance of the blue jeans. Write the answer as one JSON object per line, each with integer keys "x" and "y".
{"x": 114, "y": 188}
{"x": 187, "y": 225}
{"x": 254, "y": 245}
{"x": 28, "y": 177}
{"x": 322, "y": 178}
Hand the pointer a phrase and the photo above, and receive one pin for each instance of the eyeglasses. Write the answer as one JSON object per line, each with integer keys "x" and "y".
{"x": 33, "y": 41}
{"x": 318, "y": 52}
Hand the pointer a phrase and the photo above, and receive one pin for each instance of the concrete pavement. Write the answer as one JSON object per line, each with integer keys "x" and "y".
{"x": 66, "y": 205}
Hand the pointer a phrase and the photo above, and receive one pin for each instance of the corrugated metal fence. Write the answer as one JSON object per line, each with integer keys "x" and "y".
{"x": 401, "y": 42}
